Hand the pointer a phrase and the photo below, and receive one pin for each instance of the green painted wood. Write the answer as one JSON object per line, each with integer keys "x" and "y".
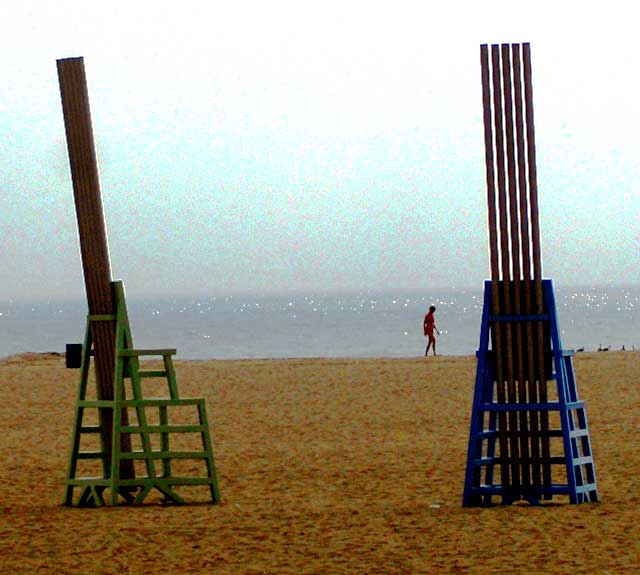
{"x": 169, "y": 493}
{"x": 90, "y": 429}
{"x": 152, "y": 373}
{"x": 92, "y": 496}
{"x": 116, "y": 453}
{"x": 146, "y": 489}
{"x": 101, "y": 317}
{"x": 96, "y": 403}
{"x": 141, "y": 352}
{"x": 158, "y": 401}
{"x": 164, "y": 440}
{"x": 208, "y": 447}
{"x": 92, "y": 481}
{"x": 142, "y": 416}
{"x": 90, "y": 455}
{"x": 79, "y": 412}
{"x": 162, "y": 428}
{"x": 148, "y": 454}
{"x": 171, "y": 377}
{"x": 168, "y": 481}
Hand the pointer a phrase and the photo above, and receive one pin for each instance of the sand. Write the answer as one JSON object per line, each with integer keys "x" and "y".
{"x": 325, "y": 467}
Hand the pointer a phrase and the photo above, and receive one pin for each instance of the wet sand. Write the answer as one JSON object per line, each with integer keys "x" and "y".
{"x": 325, "y": 467}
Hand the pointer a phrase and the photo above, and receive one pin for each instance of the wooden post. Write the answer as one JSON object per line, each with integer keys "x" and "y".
{"x": 518, "y": 367}
{"x": 537, "y": 259}
{"x": 505, "y": 258}
{"x": 94, "y": 248}
{"x": 525, "y": 242}
{"x": 493, "y": 252}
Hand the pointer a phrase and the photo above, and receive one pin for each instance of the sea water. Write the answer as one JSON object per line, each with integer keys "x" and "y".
{"x": 319, "y": 325}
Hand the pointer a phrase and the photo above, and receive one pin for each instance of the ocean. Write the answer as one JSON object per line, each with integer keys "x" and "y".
{"x": 330, "y": 325}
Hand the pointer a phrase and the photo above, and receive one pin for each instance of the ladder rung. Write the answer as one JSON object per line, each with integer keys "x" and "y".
{"x": 586, "y": 488}
{"x": 578, "y": 433}
{"x": 90, "y": 429}
{"x": 575, "y": 405}
{"x": 102, "y": 317}
{"x": 89, "y": 481}
{"x": 152, "y": 373}
{"x": 163, "y": 428}
{"x": 585, "y": 460}
{"x": 508, "y": 460}
{"x": 165, "y": 455}
{"x": 555, "y": 489}
{"x": 160, "y": 402}
{"x": 167, "y": 481}
{"x": 488, "y": 433}
{"x": 139, "y": 352}
{"x": 90, "y": 455}
{"x": 550, "y": 406}
{"x": 96, "y": 403}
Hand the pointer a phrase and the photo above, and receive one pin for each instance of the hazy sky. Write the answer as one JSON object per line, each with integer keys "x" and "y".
{"x": 297, "y": 146}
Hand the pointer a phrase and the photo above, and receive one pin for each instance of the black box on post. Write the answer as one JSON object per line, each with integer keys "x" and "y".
{"x": 73, "y": 356}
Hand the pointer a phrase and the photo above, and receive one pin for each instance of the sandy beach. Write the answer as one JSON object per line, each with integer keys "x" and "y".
{"x": 325, "y": 467}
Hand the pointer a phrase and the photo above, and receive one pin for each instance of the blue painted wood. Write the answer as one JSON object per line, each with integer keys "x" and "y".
{"x": 577, "y": 458}
{"x": 549, "y": 406}
{"x": 480, "y": 397}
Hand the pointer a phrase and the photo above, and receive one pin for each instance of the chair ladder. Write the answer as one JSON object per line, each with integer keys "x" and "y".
{"x": 134, "y": 489}
{"x": 486, "y": 429}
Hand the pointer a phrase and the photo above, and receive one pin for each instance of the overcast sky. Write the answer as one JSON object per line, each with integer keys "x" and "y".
{"x": 311, "y": 146}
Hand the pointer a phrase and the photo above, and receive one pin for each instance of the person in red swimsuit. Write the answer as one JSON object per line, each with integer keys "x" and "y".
{"x": 429, "y": 328}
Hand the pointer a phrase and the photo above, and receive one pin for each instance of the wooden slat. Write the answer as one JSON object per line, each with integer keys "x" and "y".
{"x": 525, "y": 245}
{"x": 535, "y": 243}
{"x": 506, "y": 357}
{"x": 516, "y": 385}
{"x": 532, "y": 171}
{"x": 493, "y": 244}
{"x": 489, "y": 170}
{"x": 520, "y": 348}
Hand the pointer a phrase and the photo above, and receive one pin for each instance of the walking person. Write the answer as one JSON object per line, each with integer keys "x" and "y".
{"x": 429, "y": 328}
